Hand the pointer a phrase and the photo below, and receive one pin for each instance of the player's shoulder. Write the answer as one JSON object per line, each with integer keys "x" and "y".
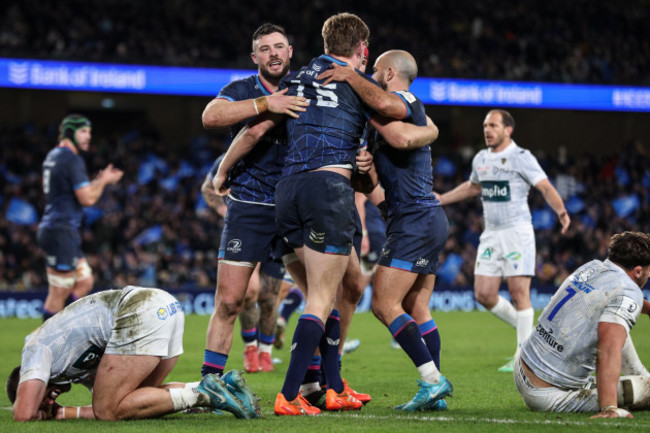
{"x": 407, "y": 96}
{"x": 237, "y": 87}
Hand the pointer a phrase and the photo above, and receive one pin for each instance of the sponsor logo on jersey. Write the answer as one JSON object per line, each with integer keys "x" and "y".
{"x": 51, "y": 261}
{"x": 495, "y": 191}
{"x": 169, "y": 310}
{"x": 578, "y": 284}
{"x": 234, "y": 246}
{"x": 515, "y": 255}
{"x": 385, "y": 252}
{"x": 422, "y": 262}
{"x": 89, "y": 359}
{"x": 315, "y": 237}
{"x": 549, "y": 338}
{"x": 584, "y": 275}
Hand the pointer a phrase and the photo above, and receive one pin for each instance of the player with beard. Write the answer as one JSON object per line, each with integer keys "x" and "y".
{"x": 249, "y": 233}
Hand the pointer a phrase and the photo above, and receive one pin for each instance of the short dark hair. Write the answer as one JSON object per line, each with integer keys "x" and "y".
{"x": 342, "y": 32}
{"x": 630, "y": 249}
{"x": 506, "y": 117}
{"x": 12, "y": 384}
{"x": 267, "y": 29}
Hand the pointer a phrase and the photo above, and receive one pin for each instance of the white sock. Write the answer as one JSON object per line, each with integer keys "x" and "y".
{"x": 429, "y": 372}
{"x": 631, "y": 365}
{"x": 265, "y": 348}
{"x": 524, "y": 325}
{"x": 251, "y": 343}
{"x": 183, "y": 398}
{"x": 309, "y": 388}
{"x": 505, "y": 311}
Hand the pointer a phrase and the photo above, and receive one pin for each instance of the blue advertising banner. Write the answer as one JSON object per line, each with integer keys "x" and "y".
{"x": 167, "y": 80}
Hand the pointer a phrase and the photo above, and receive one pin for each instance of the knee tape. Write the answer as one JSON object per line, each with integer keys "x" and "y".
{"x": 59, "y": 281}
{"x": 84, "y": 271}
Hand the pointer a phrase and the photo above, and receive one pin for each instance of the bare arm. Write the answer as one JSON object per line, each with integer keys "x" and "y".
{"x": 243, "y": 143}
{"x": 211, "y": 197}
{"x": 555, "y": 202}
{"x": 221, "y": 113}
{"x": 463, "y": 191}
{"x": 611, "y": 337}
{"x": 404, "y": 135}
{"x": 384, "y": 103}
{"x": 89, "y": 194}
{"x": 29, "y": 397}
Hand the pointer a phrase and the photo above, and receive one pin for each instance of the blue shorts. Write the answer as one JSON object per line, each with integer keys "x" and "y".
{"x": 376, "y": 227}
{"x": 316, "y": 209}
{"x": 249, "y": 234}
{"x": 273, "y": 267}
{"x": 62, "y": 247}
{"x": 358, "y": 233}
{"x": 415, "y": 239}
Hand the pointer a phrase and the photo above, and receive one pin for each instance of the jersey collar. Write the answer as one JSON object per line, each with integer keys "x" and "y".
{"x": 332, "y": 60}
{"x": 262, "y": 86}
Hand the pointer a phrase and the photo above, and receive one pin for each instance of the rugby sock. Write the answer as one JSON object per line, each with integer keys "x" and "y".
{"x": 431, "y": 338}
{"x": 308, "y": 333}
{"x": 291, "y": 302}
{"x": 313, "y": 374}
{"x": 47, "y": 314}
{"x": 249, "y": 336}
{"x": 329, "y": 351}
{"x": 524, "y": 325}
{"x": 505, "y": 311}
{"x": 407, "y": 334}
{"x": 266, "y": 343}
{"x": 631, "y": 364}
{"x": 213, "y": 362}
{"x": 183, "y": 398}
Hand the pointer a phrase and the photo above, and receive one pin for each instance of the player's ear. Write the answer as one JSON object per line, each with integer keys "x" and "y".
{"x": 254, "y": 57}
{"x": 290, "y": 51}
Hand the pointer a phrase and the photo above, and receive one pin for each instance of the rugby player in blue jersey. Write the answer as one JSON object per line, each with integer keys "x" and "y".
{"x": 67, "y": 190}
{"x": 417, "y": 229}
{"x": 315, "y": 200}
{"x": 249, "y": 232}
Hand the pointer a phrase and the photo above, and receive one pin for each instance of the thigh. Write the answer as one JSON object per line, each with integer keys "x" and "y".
{"x": 120, "y": 375}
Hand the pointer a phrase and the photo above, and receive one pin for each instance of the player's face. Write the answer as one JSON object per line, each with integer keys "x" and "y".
{"x": 643, "y": 278}
{"x": 379, "y": 72}
{"x": 272, "y": 54}
{"x": 83, "y": 136}
{"x": 496, "y": 135}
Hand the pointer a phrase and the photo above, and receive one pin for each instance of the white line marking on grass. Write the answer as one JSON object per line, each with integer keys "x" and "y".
{"x": 476, "y": 419}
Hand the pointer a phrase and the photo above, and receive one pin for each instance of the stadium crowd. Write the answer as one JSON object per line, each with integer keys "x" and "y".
{"x": 582, "y": 41}
{"x": 154, "y": 228}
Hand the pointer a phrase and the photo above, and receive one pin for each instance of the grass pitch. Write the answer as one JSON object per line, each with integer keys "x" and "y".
{"x": 474, "y": 345}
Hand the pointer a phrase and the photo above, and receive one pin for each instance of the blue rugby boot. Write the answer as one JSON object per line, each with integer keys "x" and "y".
{"x": 236, "y": 385}
{"x": 220, "y": 397}
{"x": 428, "y": 395}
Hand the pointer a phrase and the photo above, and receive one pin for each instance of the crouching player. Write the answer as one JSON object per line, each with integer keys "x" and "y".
{"x": 121, "y": 344}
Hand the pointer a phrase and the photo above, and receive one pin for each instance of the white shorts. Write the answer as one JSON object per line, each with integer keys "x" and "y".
{"x": 554, "y": 399}
{"x": 506, "y": 252}
{"x": 147, "y": 322}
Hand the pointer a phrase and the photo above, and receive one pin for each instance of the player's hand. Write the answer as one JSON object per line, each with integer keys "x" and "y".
{"x": 110, "y": 174}
{"x": 565, "y": 220}
{"x": 364, "y": 161}
{"x": 336, "y": 73}
{"x": 219, "y": 182}
{"x": 283, "y": 104}
{"x": 618, "y": 413}
{"x": 365, "y": 245}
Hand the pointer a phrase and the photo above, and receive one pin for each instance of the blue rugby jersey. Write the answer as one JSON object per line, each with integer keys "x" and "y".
{"x": 406, "y": 175}
{"x": 328, "y": 132}
{"x": 253, "y": 179}
{"x": 63, "y": 173}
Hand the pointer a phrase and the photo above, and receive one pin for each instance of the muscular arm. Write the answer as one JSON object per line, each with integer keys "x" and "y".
{"x": 221, "y": 113}
{"x": 611, "y": 337}
{"x": 243, "y": 143}
{"x": 404, "y": 135}
{"x": 29, "y": 396}
{"x": 211, "y": 197}
{"x": 89, "y": 194}
{"x": 384, "y": 103}
{"x": 555, "y": 202}
{"x": 463, "y": 191}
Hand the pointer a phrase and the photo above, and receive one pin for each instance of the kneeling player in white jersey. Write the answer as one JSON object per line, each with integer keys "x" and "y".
{"x": 583, "y": 329}
{"x": 121, "y": 344}
{"x": 503, "y": 174}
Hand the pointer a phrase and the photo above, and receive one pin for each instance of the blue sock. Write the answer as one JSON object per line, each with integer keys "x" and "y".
{"x": 291, "y": 302}
{"x": 213, "y": 362}
{"x": 267, "y": 339}
{"x": 313, "y": 371}
{"x": 407, "y": 334}
{"x": 47, "y": 314}
{"x": 249, "y": 335}
{"x": 431, "y": 338}
{"x": 306, "y": 337}
{"x": 329, "y": 351}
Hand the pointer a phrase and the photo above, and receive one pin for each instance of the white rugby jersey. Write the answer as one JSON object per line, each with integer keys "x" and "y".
{"x": 68, "y": 347}
{"x": 562, "y": 348}
{"x": 506, "y": 178}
